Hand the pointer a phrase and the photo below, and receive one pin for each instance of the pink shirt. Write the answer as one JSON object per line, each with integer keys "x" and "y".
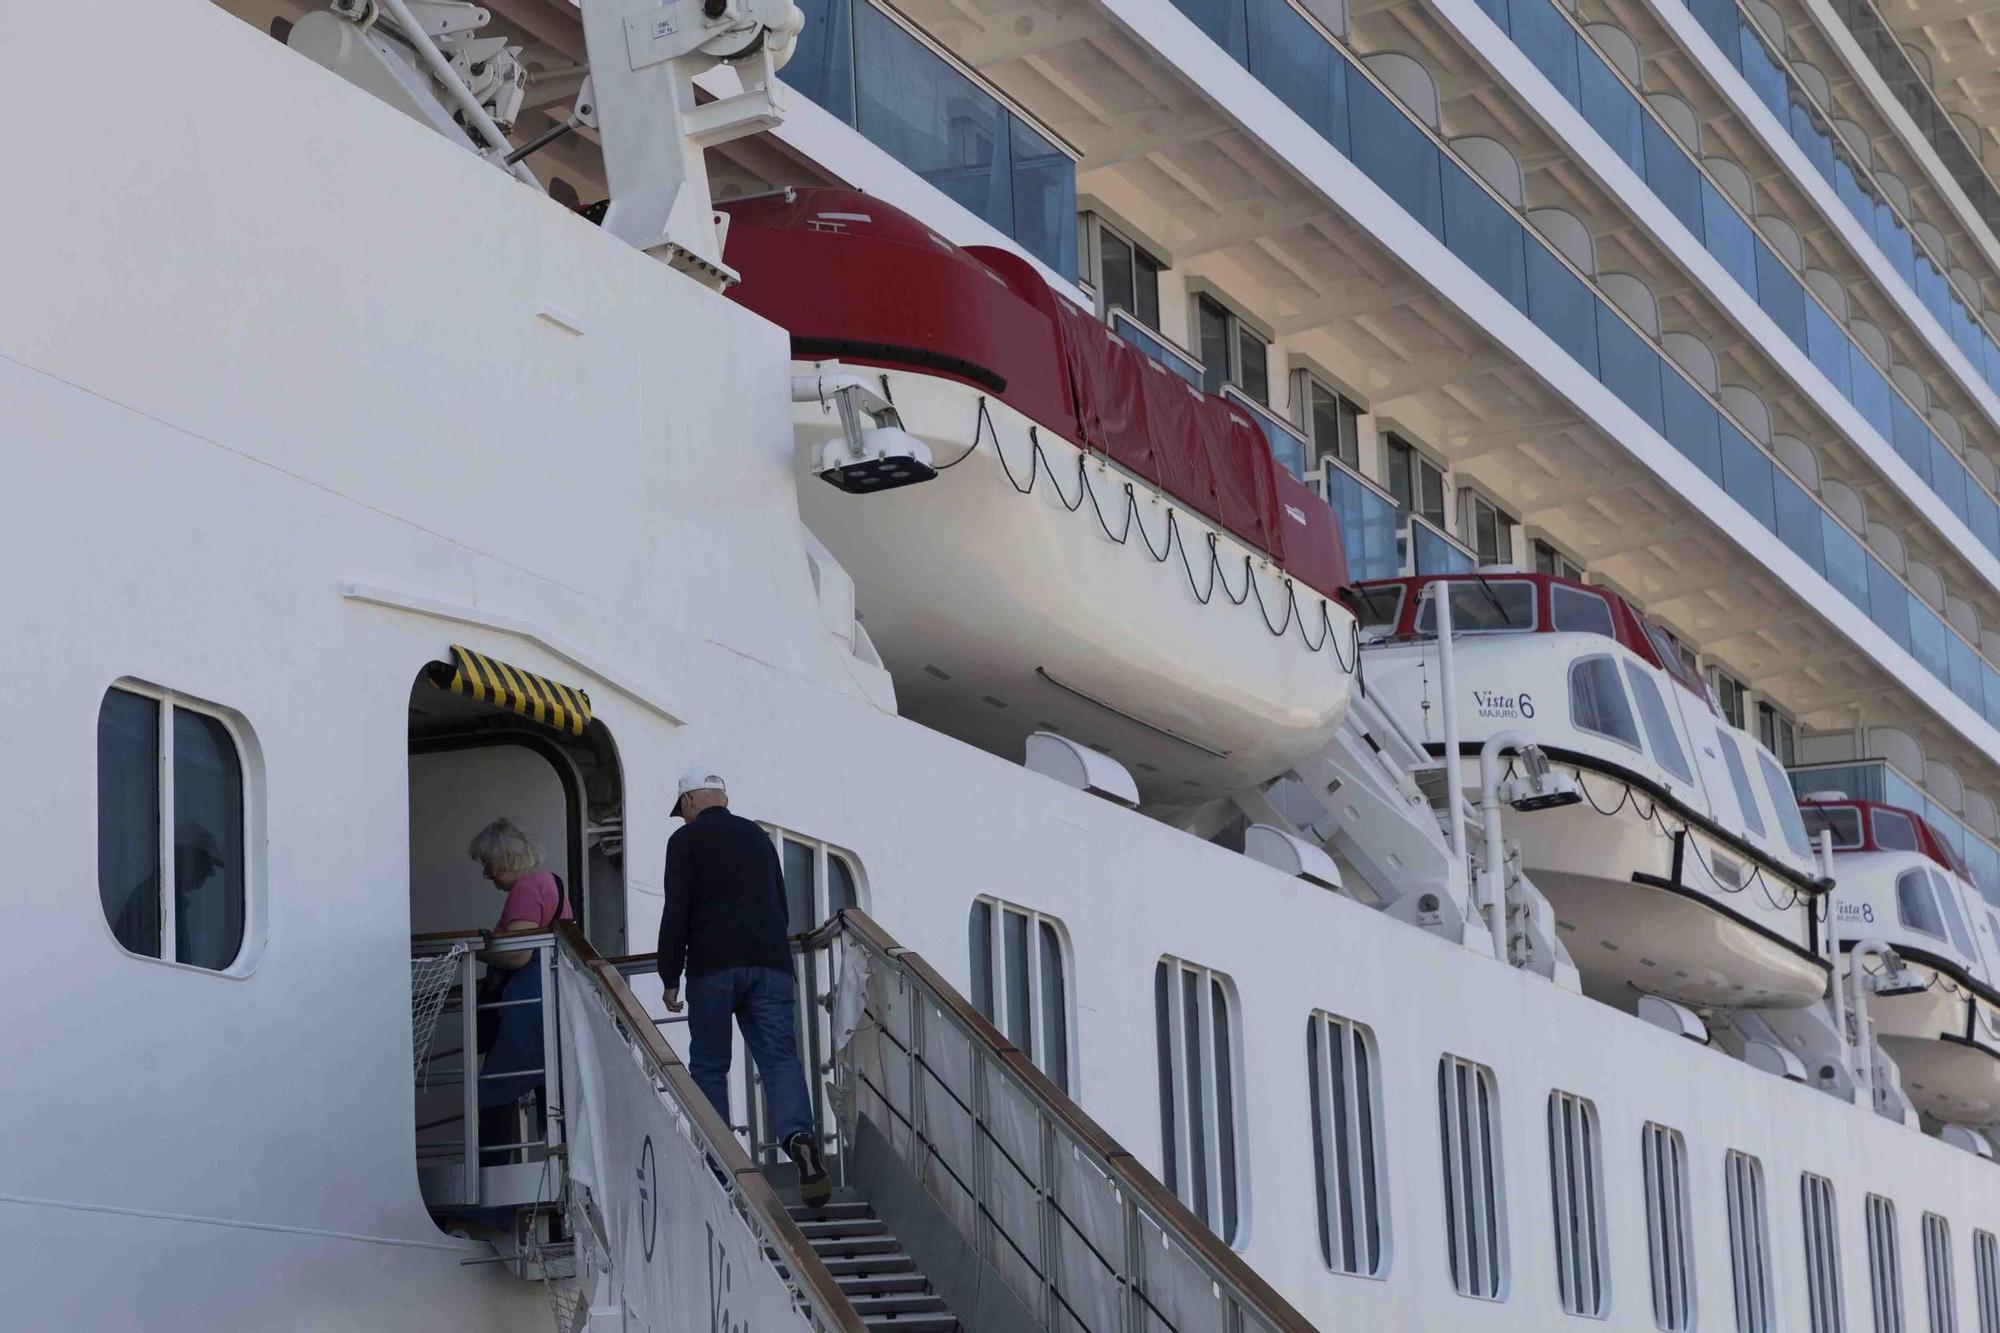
{"x": 534, "y": 897}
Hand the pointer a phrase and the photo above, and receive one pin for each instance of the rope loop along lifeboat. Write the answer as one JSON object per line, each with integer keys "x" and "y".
{"x": 1900, "y": 884}
{"x": 1684, "y": 871}
{"x": 1103, "y": 551}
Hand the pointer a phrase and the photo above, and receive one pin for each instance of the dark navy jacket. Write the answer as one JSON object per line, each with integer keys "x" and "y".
{"x": 725, "y": 899}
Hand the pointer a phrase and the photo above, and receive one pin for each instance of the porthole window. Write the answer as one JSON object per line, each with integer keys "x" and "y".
{"x": 172, "y": 852}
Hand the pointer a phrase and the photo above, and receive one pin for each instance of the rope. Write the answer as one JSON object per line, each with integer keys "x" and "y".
{"x": 431, "y": 979}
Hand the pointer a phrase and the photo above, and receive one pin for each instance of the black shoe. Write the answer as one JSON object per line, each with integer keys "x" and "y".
{"x": 814, "y": 1187}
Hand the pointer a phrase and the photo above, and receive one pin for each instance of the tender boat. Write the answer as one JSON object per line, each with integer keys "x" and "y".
{"x": 1104, "y": 551}
{"x": 1898, "y": 883}
{"x": 1684, "y": 871}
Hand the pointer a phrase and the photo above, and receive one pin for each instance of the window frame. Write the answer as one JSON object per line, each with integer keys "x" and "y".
{"x": 1986, "y": 1279}
{"x": 1885, "y": 1263}
{"x": 823, "y": 853}
{"x": 1472, "y": 590}
{"x": 1363, "y": 1204}
{"x": 1739, "y": 779}
{"x": 1488, "y": 1252}
{"x": 1663, "y": 739}
{"x": 1235, "y": 328}
{"x": 1876, "y": 820}
{"x": 1669, "y": 1226}
{"x": 1470, "y": 504}
{"x": 1038, "y": 999}
{"x": 1940, "y": 1282}
{"x": 1549, "y": 559}
{"x": 1419, "y": 468}
{"x": 1617, "y": 678}
{"x": 249, "y": 763}
{"x": 1571, "y": 1149}
{"x": 1225, "y": 1173}
{"x": 1307, "y": 387}
{"x": 1819, "y": 1226}
{"x": 1145, "y": 265}
{"x": 1749, "y": 1242}
{"x": 1559, "y": 591}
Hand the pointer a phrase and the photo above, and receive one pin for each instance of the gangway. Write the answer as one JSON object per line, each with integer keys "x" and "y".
{"x": 973, "y": 1196}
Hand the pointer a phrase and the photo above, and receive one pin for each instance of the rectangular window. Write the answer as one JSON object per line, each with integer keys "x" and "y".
{"x": 171, "y": 851}
{"x": 1778, "y": 732}
{"x": 1729, "y": 693}
{"x": 1885, "y": 1265}
{"x": 1480, "y": 606}
{"x": 1199, "y": 1124}
{"x": 1020, "y": 982}
{"x": 1231, "y": 352}
{"x": 1347, "y": 1144}
{"x": 1548, "y": 560}
{"x": 1580, "y": 612}
{"x": 1986, "y": 1278}
{"x": 1128, "y": 278}
{"x": 1415, "y": 481}
{"x": 1332, "y": 421}
{"x": 1597, "y": 700}
{"x": 1474, "y": 1201}
{"x": 1825, "y": 1309}
{"x": 1487, "y": 529}
{"x": 1660, "y": 734}
{"x": 1669, "y": 1230}
{"x": 1749, "y": 1243}
{"x": 1576, "y": 1189}
{"x": 1940, "y": 1291}
{"x": 1739, "y": 778}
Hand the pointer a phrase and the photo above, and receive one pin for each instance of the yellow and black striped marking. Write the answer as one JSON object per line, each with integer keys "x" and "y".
{"x": 537, "y": 698}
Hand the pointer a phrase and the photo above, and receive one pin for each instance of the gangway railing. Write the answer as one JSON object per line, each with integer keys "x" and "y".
{"x": 1080, "y": 1233}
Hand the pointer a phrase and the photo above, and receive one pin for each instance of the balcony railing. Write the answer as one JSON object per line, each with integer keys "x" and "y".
{"x": 1432, "y": 550}
{"x": 1369, "y": 523}
{"x": 1127, "y": 326}
{"x": 1288, "y": 446}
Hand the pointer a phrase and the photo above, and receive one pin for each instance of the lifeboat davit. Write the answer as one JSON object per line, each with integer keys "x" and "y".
{"x": 1684, "y": 871}
{"x": 1105, "y": 551}
{"x": 1900, "y": 884}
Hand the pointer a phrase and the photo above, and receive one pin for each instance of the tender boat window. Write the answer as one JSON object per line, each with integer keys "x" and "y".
{"x": 1666, "y": 745}
{"x": 1020, "y": 982}
{"x": 172, "y": 857}
{"x": 1739, "y": 778}
{"x": 1785, "y": 803}
{"x": 1894, "y": 831}
{"x": 1749, "y": 1243}
{"x": 1916, "y": 908}
{"x": 1597, "y": 700}
{"x": 1580, "y": 612}
{"x": 1475, "y": 1205}
{"x": 1483, "y": 606}
{"x": 1200, "y": 1128}
{"x": 1842, "y": 821}
{"x": 1885, "y": 1265}
{"x": 1576, "y": 1194}
{"x": 1347, "y": 1145}
{"x": 1669, "y": 1229}
{"x": 1825, "y": 1308}
{"x": 1378, "y": 610}
{"x": 1954, "y": 921}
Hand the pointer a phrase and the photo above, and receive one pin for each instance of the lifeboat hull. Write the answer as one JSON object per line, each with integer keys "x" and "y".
{"x": 1633, "y": 926}
{"x": 1947, "y": 1074}
{"x": 1030, "y": 586}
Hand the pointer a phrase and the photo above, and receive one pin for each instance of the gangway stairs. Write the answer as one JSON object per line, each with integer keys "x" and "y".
{"x": 973, "y": 1196}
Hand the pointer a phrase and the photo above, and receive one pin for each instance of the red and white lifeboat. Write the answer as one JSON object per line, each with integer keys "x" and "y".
{"x": 1684, "y": 871}
{"x": 1105, "y": 551}
{"x": 1898, "y": 883}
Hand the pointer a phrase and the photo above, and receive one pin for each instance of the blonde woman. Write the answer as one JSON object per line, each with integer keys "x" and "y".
{"x": 510, "y": 1035}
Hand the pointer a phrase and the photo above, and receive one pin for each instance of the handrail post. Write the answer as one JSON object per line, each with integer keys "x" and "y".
{"x": 469, "y": 1062}
{"x": 552, "y": 1126}
{"x": 1051, "y": 1235}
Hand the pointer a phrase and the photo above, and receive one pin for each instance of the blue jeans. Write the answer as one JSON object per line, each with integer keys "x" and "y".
{"x": 763, "y": 1001}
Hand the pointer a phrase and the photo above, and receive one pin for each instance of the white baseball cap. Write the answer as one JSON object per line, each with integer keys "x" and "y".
{"x": 700, "y": 778}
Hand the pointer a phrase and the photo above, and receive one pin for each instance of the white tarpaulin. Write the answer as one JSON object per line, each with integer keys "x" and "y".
{"x": 681, "y": 1259}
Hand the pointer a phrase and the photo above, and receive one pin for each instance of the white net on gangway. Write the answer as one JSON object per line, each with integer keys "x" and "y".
{"x": 431, "y": 979}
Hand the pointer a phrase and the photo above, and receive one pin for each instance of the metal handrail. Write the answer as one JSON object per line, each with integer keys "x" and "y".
{"x": 1221, "y": 1264}
{"x": 758, "y": 1202}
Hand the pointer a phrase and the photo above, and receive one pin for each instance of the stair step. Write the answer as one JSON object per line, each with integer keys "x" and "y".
{"x": 837, "y": 1228}
{"x": 869, "y": 1284}
{"x": 830, "y": 1212}
{"x": 861, "y": 1265}
{"x": 898, "y": 1303}
{"x": 850, "y": 1246}
{"x": 916, "y": 1323}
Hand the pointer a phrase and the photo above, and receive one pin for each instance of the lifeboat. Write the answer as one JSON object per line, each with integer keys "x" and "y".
{"x": 1104, "y": 551}
{"x": 1684, "y": 871}
{"x": 1899, "y": 883}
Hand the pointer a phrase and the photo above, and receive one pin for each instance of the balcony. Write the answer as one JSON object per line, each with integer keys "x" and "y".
{"x": 1881, "y": 781}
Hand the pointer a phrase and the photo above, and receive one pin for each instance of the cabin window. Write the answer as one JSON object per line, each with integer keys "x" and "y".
{"x": 1231, "y": 352}
{"x": 1785, "y": 803}
{"x": 1825, "y": 1309}
{"x": 1548, "y": 560}
{"x": 1347, "y": 1145}
{"x": 1487, "y": 529}
{"x": 1940, "y": 1291}
{"x": 1842, "y": 821}
{"x": 1597, "y": 701}
{"x": 1475, "y": 1221}
{"x": 1660, "y": 735}
{"x": 1915, "y": 907}
{"x": 1333, "y": 421}
{"x": 1954, "y": 920}
{"x": 819, "y": 881}
{"x": 1579, "y": 612}
{"x": 1020, "y": 982}
{"x": 1576, "y": 1190}
{"x": 1669, "y": 1231}
{"x": 1778, "y": 732}
{"x": 1128, "y": 278}
{"x": 1894, "y": 831}
{"x": 1200, "y": 1130}
{"x": 1986, "y": 1278}
{"x": 1482, "y": 606}
{"x": 1749, "y": 1243}
{"x": 1739, "y": 778}
{"x": 1885, "y": 1266}
{"x": 1415, "y": 481}
{"x": 172, "y": 855}
{"x": 1378, "y": 609}
{"x": 1729, "y": 695}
